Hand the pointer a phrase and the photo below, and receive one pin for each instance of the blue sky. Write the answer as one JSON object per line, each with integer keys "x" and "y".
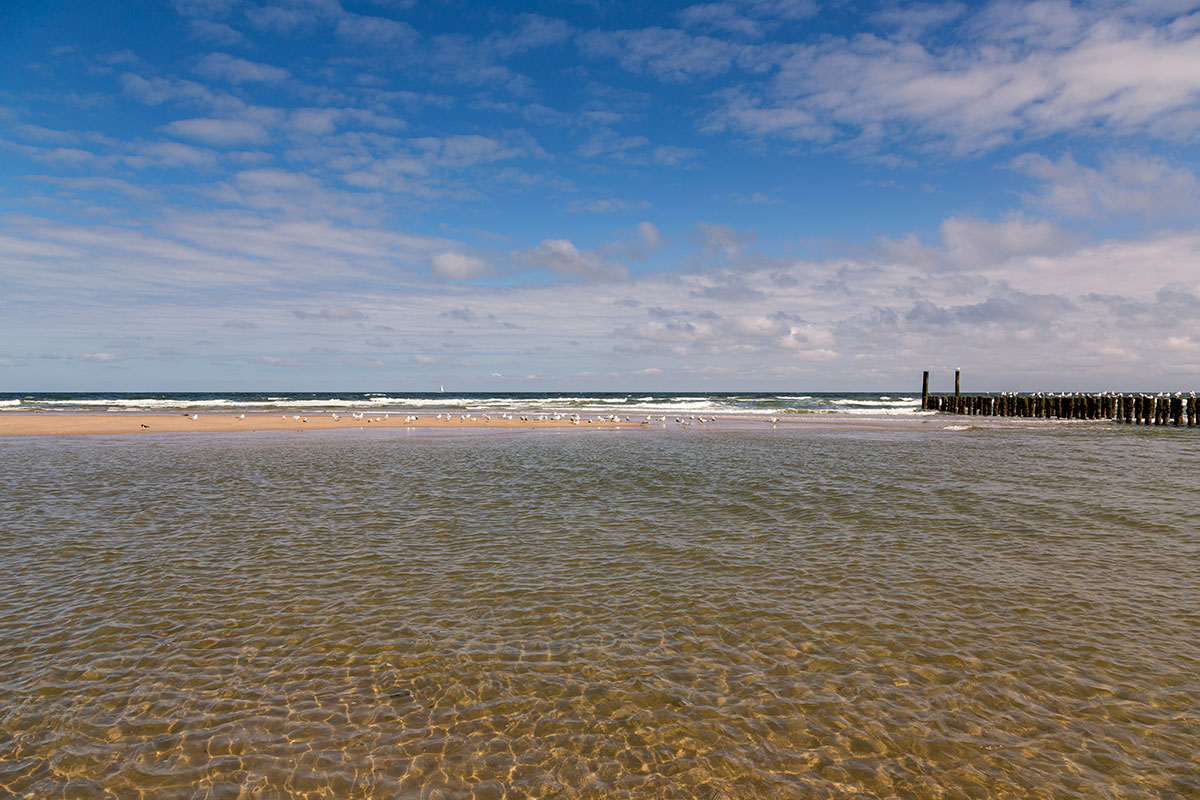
{"x": 770, "y": 195}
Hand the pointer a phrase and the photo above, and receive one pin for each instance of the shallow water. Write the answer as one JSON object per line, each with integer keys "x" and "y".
{"x": 799, "y": 613}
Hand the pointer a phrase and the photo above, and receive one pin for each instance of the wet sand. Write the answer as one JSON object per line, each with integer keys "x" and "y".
{"x": 54, "y": 424}
{"x": 87, "y": 423}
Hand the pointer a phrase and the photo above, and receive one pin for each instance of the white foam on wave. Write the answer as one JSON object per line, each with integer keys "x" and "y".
{"x": 676, "y": 405}
{"x": 631, "y": 404}
{"x": 956, "y": 427}
{"x": 882, "y": 403}
{"x": 121, "y": 404}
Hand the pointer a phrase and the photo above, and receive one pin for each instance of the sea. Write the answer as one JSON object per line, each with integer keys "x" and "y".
{"x": 604, "y": 403}
{"x": 881, "y": 609}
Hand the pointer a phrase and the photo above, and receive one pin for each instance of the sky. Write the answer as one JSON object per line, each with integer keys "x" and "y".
{"x": 741, "y": 195}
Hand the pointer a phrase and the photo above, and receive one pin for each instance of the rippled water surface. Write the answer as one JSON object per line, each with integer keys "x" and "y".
{"x": 694, "y": 614}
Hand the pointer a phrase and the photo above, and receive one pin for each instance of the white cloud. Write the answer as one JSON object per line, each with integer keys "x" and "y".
{"x": 204, "y": 8}
{"x": 637, "y": 244}
{"x": 168, "y": 154}
{"x": 670, "y": 55}
{"x": 608, "y": 142}
{"x": 974, "y": 243}
{"x": 458, "y": 266}
{"x": 376, "y": 31}
{"x": 275, "y": 361}
{"x": 670, "y": 155}
{"x": 314, "y": 121}
{"x": 105, "y": 186}
{"x": 721, "y": 16}
{"x": 341, "y": 314}
{"x": 156, "y": 90}
{"x": 294, "y": 17}
{"x": 100, "y": 357}
{"x": 533, "y": 31}
{"x": 221, "y": 66}
{"x": 40, "y": 134}
{"x": 913, "y": 21}
{"x": 1005, "y": 304}
{"x": 218, "y": 132}
{"x": 722, "y": 241}
{"x": 1125, "y": 76}
{"x": 466, "y": 150}
{"x": 1123, "y": 184}
{"x": 562, "y": 257}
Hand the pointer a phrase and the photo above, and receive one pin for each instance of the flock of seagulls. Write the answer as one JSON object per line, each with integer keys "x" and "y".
{"x": 1099, "y": 394}
{"x": 573, "y": 419}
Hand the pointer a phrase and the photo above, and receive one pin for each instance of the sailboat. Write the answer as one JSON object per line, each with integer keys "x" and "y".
{"x": 441, "y": 389}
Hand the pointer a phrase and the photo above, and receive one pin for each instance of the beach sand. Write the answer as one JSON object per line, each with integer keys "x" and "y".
{"x": 67, "y": 424}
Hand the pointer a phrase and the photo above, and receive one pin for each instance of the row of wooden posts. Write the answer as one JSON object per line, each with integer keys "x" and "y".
{"x": 1128, "y": 408}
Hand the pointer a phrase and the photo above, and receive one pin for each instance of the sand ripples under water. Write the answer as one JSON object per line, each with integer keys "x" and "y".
{"x": 717, "y": 614}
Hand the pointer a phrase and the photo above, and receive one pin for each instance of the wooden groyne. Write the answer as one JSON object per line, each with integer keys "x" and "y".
{"x": 1134, "y": 409}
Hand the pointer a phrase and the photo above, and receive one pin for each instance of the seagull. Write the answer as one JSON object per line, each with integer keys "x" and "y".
{"x": 194, "y": 416}
{"x": 241, "y": 416}
{"x": 145, "y": 426}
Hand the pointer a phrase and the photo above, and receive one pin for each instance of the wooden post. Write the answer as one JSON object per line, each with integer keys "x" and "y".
{"x": 956, "y": 391}
{"x": 925, "y": 390}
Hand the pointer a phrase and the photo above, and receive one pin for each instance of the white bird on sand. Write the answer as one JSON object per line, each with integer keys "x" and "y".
{"x": 194, "y": 416}
{"x": 241, "y": 416}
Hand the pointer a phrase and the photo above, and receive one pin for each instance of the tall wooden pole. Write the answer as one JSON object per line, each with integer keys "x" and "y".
{"x": 925, "y": 390}
{"x": 956, "y": 383}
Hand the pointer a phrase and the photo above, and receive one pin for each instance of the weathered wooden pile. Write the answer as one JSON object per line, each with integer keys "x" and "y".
{"x": 1138, "y": 409}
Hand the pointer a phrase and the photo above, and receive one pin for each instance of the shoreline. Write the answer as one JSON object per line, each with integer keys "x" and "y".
{"x": 92, "y": 423}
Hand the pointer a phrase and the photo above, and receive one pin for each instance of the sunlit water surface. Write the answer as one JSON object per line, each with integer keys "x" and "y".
{"x": 790, "y": 613}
